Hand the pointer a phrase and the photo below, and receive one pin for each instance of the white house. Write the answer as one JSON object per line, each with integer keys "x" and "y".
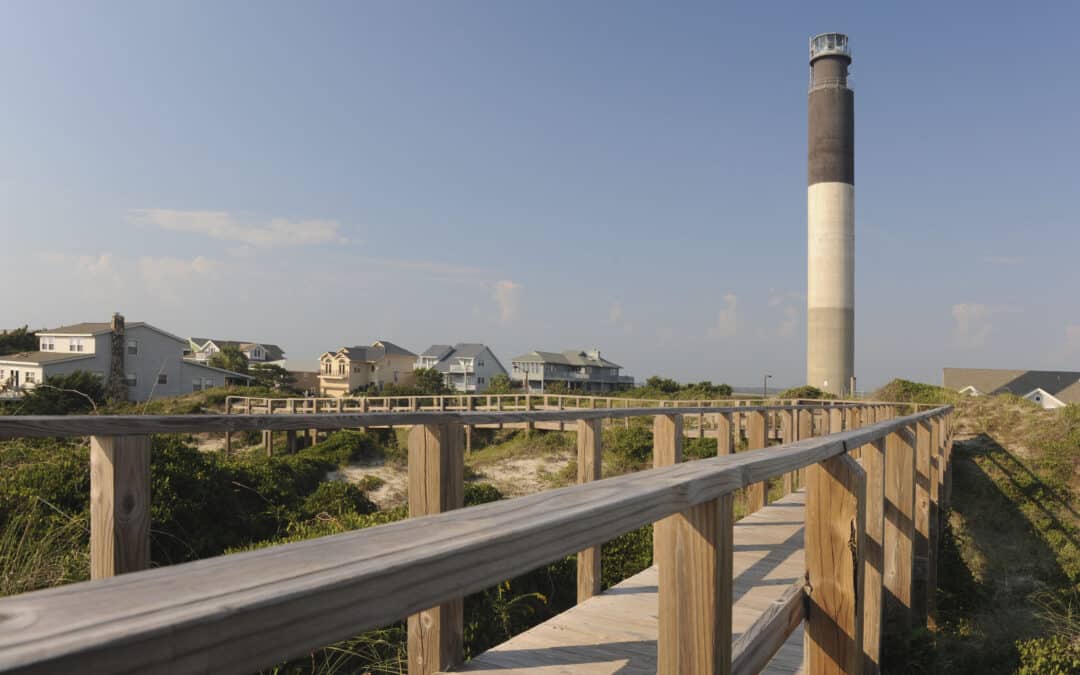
{"x": 577, "y": 370}
{"x": 148, "y": 361}
{"x": 466, "y": 367}
{"x": 1048, "y": 388}
{"x": 201, "y": 349}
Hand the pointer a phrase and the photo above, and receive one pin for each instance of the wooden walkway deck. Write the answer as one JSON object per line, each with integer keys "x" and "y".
{"x": 615, "y": 632}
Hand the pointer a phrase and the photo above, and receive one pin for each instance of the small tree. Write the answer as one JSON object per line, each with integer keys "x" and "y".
{"x": 71, "y": 394}
{"x": 271, "y": 375}
{"x": 430, "y": 381}
{"x": 230, "y": 358}
{"x": 500, "y": 384}
{"x": 18, "y": 340}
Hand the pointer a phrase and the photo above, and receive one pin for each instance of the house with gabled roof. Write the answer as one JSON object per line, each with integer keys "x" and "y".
{"x": 1048, "y": 388}
{"x": 466, "y": 367}
{"x": 201, "y": 349}
{"x": 577, "y": 370}
{"x": 136, "y": 361}
{"x": 363, "y": 367}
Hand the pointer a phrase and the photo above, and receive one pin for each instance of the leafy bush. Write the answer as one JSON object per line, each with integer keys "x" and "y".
{"x": 1048, "y": 656}
{"x": 632, "y": 445}
{"x": 481, "y": 493}
{"x": 906, "y": 391}
{"x": 75, "y": 393}
{"x": 805, "y": 391}
{"x": 18, "y": 340}
{"x": 336, "y": 498}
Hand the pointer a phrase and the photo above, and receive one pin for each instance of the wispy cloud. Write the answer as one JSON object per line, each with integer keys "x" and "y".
{"x": 615, "y": 313}
{"x": 1072, "y": 338}
{"x": 727, "y": 320}
{"x": 1002, "y": 260}
{"x": 175, "y": 271}
{"x": 506, "y": 296}
{"x": 241, "y": 227}
{"x": 973, "y": 323}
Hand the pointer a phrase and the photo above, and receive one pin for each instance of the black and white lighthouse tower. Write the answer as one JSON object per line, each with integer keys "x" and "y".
{"x": 830, "y": 200}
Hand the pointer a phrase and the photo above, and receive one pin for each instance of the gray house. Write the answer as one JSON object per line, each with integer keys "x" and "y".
{"x": 1048, "y": 388}
{"x": 137, "y": 359}
{"x": 466, "y": 367}
{"x": 585, "y": 371}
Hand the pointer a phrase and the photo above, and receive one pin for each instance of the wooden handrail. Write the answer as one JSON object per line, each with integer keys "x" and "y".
{"x": 53, "y": 426}
{"x": 250, "y": 610}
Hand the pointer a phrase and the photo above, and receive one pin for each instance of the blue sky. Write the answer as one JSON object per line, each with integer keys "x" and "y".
{"x": 547, "y": 175}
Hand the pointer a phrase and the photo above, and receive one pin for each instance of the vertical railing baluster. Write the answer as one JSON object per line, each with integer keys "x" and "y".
{"x": 835, "y": 522}
{"x": 119, "y": 505}
{"x": 899, "y": 527}
{"x": 436, "y": 485}
{"x": 589, "y": 434}
{"x": 757, "y": 494}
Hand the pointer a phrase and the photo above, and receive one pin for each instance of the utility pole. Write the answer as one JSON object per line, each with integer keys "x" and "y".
{"x": 765, "y": 387}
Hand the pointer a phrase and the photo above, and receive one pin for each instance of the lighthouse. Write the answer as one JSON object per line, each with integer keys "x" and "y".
{"x": 830, "y": 202}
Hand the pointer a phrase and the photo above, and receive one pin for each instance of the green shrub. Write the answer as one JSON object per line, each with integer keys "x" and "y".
{"x": 633, "y": 445}
{"x": 805, "y": 391}
{"x": 336, "y": 498}
{"x": 481, "y": 493}
{"x": 1048, "y": 656}
{"x": 72, "y": 394}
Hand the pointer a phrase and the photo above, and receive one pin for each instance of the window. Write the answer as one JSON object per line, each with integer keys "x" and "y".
{"x": 130, "y": 379}
{"x": 75, "y": 345}
{"x": 133, "y": 347}
{"x": 341, "y": 368}
{"x": 480, "y": 380}
{"x": 48, "y": 344}
{"x": 162, "y": 378}
{"x": 326, "y": 367}
{"x": 29, "y": 377}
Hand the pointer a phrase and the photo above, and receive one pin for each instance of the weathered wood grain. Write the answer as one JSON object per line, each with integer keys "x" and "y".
{"x": 589, "y": 450}
{"x": 692, "y": 594}
{"x": 835, "y": 522}
{"x": 899, "y": 526}
{"x": 436, "y": 485}
{"x": 921, "y": 547}
{"x": 119, "y": 505}
{"x": 724, "y": 444}
{"x": 667, "y": 451}
{"x": 756, "y": 495}
{"x": 755, "y": 647}
{"x": 873, "y": 463}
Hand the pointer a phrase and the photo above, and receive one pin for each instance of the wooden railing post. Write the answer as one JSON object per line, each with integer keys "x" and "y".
{"x": 756, "y": 493}
{"x": 693, "y": 551}
{"x": 899, "y": 527}
{"x": 836, "y": 420}
{"x": 268, "y": 443}
{"x": 589, "y": 433}
{"x": 935, "y": 519}
{"x": 436, "y": 485}
{"x": 724, "y": 444}
{"x": 873, "y": 463}
{"x": 921, "y": 554}
{"x": 790, "y": 435}
{"x": 119, "y": 505}
{"x": 835, "y": 522}
{"x": 667, "y": 450}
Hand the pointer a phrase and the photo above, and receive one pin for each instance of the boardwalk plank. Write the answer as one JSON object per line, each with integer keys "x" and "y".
{"x": 615, "y": 632}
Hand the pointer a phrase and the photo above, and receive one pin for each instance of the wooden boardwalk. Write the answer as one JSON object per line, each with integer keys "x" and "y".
{"x": 616, "y": 632}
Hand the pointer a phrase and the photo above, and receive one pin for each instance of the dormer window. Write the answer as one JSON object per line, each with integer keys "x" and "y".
{"x": 75, "y": 345}
{"x": 48, "y": 344}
